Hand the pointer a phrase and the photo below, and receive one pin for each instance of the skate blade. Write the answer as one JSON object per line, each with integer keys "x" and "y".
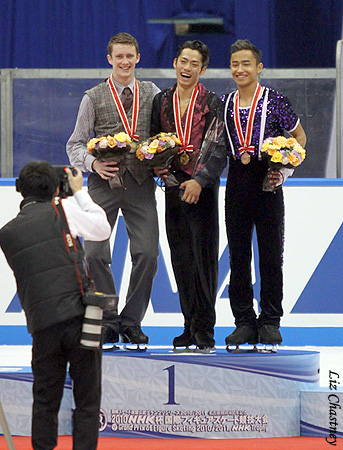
{"x": 183, "y": 350}
{"x": 129, "y": 347}
{"x": 110, "y": 347}
{"x": 205, "y": 351}
{"x": 238, "y": 349}
{"x": 269, "y": 348}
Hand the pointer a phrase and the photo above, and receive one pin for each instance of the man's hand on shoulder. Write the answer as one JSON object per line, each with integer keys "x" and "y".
{"x": 75, "y": 181}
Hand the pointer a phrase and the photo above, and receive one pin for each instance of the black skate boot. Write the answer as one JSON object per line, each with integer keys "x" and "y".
{"x": 183, "y": 342}
{"x": 270, "y": 336}
{"x": 109, "y": 337}
{"x": 243, "y": 334}
{"x": 135, "y": 336}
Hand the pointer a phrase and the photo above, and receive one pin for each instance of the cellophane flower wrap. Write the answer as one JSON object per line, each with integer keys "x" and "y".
{"x": 283, "y": 152}
{"x": 111, "y": 148}
{"x": 161, "y": 151}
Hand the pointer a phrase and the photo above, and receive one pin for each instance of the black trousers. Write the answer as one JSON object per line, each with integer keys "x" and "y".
{"x": 193, "y": 236}
{"x": 247, "y": 206}
{"x": 52, "y": 350}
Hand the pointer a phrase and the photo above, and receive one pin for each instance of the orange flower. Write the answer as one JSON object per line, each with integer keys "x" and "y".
{"x": 111, "y": 141}
{"x": 280, "y": 141}
{"x": 293, "y": 159}
{"x": 91, "y": 144}
{"x": 139, "y": 154}
{"x": 291, "y": 141}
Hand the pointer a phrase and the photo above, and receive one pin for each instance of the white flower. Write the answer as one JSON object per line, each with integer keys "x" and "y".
{"x": 103, "y": 143}
{"x": 172, "y": 143}
{"x": 144, "y": 149}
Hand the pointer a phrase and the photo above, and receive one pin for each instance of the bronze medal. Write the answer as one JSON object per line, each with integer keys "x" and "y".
{"x": 245, "y": 139}
{"x": 245, "y": 158}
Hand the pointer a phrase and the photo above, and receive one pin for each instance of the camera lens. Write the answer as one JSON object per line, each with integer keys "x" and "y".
{"x": 91, "y": 327}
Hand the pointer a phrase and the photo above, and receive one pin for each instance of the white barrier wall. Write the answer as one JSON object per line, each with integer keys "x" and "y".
{"x": 313, "y": 282}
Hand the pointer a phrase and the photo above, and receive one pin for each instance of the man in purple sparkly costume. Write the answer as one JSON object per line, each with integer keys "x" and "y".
{"x": 252, "y": 114}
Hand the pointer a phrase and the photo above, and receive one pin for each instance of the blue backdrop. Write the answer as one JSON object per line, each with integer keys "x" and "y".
{"x": 74, "y": 33}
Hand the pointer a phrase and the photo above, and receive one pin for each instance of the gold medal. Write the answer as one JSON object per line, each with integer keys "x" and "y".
{"x": 245, "y": 158}
{"x": 184, "y": 135}
{"x": 184, "y": 159}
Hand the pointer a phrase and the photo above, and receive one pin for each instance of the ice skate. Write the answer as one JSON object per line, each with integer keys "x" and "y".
{"x": 243, "y": 334}
{"x": 182, "y": 343}
{"x": 270, "y": 336}
{"x": 134, "y": 339}
{"x": 204, "y": 342}
{"x": 205, "y": 350}
{"x": 109, "y": 337}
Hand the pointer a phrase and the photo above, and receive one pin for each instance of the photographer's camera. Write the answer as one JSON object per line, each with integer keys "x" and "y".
{"x": 95, "y": 303}
{"x": 65, "y": 190}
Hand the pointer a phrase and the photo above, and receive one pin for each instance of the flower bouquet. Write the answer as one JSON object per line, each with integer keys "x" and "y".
{"x": 111, "y": 148}
{"x": 160, "y": 151}
{"x": 283, "y": 154}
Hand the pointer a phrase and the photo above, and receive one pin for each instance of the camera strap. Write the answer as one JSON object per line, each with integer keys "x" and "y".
{"x": 73, "y": 245}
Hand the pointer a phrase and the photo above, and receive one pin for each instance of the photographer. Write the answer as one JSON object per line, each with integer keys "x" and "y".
{"x": 50, "y": 294}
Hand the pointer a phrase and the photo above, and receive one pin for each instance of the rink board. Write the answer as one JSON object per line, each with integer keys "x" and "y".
{"x": 16, "y": 399}
{"x": 168, "y": 395}
{"x": 322, "y": 411}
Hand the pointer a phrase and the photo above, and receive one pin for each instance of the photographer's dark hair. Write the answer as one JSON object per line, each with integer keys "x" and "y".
{"x": 38, "y": 179}
{"x": 245, "y": 44}
{"x": 200, "y": 47}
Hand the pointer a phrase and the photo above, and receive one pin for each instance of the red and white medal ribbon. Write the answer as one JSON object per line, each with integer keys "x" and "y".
{"x": 123, "y": 116}
{"x": 184, "y": 135}
{"x": 245, "y": 141}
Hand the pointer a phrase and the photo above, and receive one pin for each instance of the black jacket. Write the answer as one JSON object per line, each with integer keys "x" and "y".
{"x": 216, "y": 164}
{"x": 47, "y": 283}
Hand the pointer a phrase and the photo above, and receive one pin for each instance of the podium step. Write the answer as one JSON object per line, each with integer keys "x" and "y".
{"x": 163, "y": 394}
{"x": 220, "y": 395}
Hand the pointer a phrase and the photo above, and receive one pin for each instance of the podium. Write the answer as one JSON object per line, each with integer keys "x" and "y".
{"x": 164, "y": 394}
{"x": 221, "y": 395}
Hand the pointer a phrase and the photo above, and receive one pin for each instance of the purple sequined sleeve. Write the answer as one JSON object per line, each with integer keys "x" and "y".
{"x": 287, "y": 116}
